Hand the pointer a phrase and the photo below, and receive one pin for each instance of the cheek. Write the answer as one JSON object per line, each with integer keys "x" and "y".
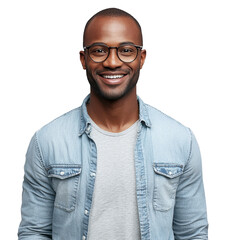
{"x": 135, "y": 66}
{"x": 91, "y": 72}
{"x": 91, "y": 66}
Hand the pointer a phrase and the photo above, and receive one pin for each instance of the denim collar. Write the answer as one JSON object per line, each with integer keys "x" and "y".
{"x": 86, "y": 121}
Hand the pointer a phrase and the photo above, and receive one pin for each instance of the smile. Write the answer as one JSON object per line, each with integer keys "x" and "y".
{"x": 113, "y": 76}
{"x": 113, "y": 79}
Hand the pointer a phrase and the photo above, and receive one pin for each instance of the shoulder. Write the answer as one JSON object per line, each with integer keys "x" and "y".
{"x": 163, "y": 121}
{"x": 57, "y": 136}
{"x": 170, "y": 135}
{"x": 66, "y": 122}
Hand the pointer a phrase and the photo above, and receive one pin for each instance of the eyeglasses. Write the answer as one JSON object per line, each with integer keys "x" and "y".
{"x": 100, "y": 52}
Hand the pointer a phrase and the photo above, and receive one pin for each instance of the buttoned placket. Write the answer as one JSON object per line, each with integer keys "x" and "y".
{"x": 141, "y": 185}
{"x": 91, "y": 181}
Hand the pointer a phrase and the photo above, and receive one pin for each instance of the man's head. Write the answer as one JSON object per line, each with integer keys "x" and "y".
{"x": 112, "y": 72}
{"x": 112, "y": 12}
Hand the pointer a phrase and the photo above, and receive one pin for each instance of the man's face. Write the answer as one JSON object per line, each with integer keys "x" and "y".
{"x": 112, "y": 79}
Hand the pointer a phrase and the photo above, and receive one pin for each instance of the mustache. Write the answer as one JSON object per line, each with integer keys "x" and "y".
{"x": 112, "y": 71}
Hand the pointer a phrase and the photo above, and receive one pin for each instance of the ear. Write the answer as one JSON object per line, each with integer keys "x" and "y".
{"x": 82, "y": 59}
{"x": 142, "y": 57}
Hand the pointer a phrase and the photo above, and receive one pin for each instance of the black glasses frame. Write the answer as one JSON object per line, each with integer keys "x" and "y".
{"x": 109, "y": 48}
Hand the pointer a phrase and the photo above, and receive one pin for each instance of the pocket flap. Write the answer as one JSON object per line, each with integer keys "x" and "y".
{"x": 170, "y": 170}
{"x": 64, "y": 171}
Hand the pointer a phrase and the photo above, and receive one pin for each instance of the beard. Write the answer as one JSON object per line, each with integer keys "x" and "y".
{"x": 115, "y": 92}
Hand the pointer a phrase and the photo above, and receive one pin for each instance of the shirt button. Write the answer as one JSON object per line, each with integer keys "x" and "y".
{"x": 86, "y": 212}
{"x": 92, "y": 174}
{"x": 170, "y": 173}
{"x": 83, "y": 237}
{"x": 62, "y": 173}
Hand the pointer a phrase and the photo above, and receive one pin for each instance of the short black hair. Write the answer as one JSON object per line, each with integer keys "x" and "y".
{"x": 112, "y": 12}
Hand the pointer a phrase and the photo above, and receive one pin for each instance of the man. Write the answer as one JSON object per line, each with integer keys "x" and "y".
{"x": 115, "y": 168}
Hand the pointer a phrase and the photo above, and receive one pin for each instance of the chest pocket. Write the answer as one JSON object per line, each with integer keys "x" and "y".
{"x": 65, "y": 182}
{"x": 166, "y": 180}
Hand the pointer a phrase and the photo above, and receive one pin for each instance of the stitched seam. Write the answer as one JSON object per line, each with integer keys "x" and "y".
{"x": 189, "y": 155}
{"x": 40, "y": 155}
{"x": 64, "y": 166}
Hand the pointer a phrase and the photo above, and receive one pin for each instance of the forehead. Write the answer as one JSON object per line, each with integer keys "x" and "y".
{"x": 112, "y": 31}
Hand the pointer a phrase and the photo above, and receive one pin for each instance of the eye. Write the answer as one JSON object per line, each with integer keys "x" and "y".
{"x": 127, "y": 50}
{"x": 98, "y": 50}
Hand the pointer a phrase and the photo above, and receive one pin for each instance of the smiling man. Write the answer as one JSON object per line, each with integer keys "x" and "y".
{"x": 114, "y": 168}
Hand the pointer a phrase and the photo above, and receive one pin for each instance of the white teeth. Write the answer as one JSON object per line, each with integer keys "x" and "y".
{"x": 113, "y": 76}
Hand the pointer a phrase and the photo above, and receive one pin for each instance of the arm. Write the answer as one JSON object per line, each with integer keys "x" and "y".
{"x": 37, "y": 199}
{"x": 190, "y": 218}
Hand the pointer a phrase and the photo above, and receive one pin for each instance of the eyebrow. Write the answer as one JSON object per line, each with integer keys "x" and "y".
{"x": 124, "y": 43}
{"x": 120, "y": 44}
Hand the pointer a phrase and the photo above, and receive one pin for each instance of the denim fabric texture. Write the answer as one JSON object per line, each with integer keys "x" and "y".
{"x": 60, "y": 171}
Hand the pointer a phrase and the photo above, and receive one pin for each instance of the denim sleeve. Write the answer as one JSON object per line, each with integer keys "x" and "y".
{"x": 37, "y": 198}
{"x": 190, "y": 217}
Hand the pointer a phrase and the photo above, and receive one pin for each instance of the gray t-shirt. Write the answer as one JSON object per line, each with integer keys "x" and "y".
{"x": 114, "y": 213}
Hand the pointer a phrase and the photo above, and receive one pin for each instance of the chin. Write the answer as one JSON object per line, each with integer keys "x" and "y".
{"x": 113, "y": 95}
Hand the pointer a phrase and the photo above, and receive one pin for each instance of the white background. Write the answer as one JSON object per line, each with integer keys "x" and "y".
{"x": 41, "y": 78}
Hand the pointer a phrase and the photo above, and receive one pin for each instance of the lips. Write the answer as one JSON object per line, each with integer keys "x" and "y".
{"x": 112, "y": 78}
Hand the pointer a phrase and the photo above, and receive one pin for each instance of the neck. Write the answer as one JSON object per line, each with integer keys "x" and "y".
{"x": 114, "y": 116}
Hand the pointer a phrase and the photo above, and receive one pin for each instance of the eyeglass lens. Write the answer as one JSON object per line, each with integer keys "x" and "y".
{"x": 126, "y": 53}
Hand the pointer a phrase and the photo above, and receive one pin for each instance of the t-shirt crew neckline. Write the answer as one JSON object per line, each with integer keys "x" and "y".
{"x": 113, "y": 134}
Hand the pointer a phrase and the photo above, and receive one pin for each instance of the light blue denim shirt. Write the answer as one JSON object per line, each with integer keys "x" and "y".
{"x": 60, "y": 172}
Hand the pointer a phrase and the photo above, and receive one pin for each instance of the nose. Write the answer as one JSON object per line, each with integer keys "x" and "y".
{"x": 112, "y": 61}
